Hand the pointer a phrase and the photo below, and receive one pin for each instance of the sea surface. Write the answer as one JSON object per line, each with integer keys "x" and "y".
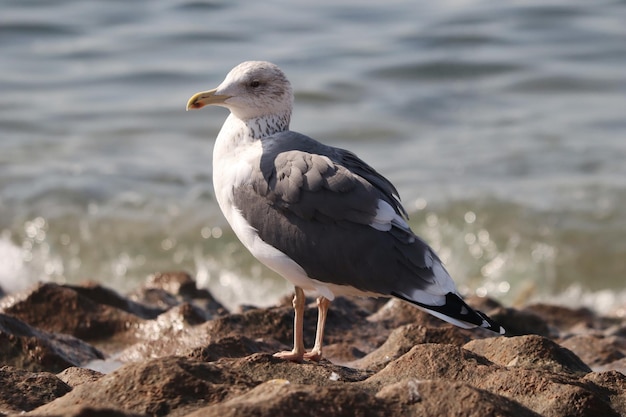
{"x": 503, "y": 125}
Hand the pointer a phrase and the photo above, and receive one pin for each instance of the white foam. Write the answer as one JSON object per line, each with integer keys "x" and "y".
{"x": 603, "y": 302}
{"x": 14, "y": 273}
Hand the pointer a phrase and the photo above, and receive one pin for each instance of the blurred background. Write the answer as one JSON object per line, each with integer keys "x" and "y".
{"x": 503, "y": 125}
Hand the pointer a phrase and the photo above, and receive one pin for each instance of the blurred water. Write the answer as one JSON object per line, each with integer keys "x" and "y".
{"x": 502, "y": 124}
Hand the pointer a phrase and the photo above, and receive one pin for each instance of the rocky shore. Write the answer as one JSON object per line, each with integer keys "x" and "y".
{"x": 171, "y": 349}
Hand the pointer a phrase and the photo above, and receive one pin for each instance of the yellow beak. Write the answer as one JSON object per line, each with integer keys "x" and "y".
{"x": 205, "y": 98}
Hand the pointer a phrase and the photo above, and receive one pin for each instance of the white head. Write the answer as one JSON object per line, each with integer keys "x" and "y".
{"x": 251, "y": 90}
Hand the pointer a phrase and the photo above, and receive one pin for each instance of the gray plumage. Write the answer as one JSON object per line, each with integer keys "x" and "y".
{"x": 315, "y": 203}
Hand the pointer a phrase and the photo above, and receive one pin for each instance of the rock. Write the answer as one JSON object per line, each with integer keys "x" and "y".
{"x": 610, "y": 385}
{"x": 279, "y": 398}
{"x": 177, "y": 283}
{"x": 402, "y": 339}
{"x": 343, "y": 353}
{"x": 263, "y": 367}
{"x": 274, "y": 322}
{"x": 530, "y": 352}
{"x": 105, "y": 296}
{"x": 618, "y": 365}
{"x": 396, "y": 359}
{"x": 485, "y": 304}
{"x": 346, "y": 323}
{"x": 520, "y": 322}
{"x": 80, "y": 411}
{"x": 397, "y": 313}
{"x": 62, "y": 309}
{"x": 545, "y": 393}
{"x": 548, "y": 394}
{"x": 155, "y": 297}
{"x": 74, "y": 376}
{"x": 161, "y": 289}
{"x": 562, "y": 317}
{"x": 25, "y": 391}
{"x": 434, "y": 361}
{"x": 416, "y": 397}
{"x": 174, "y": 332}
{"x": 31, "y": 349}
{"x": 164, "y": 386}
{"x": 596, "y": 350}
{"x": 233, "y": 347}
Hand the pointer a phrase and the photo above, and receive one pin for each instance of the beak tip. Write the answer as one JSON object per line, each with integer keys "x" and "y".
{"x": 205, "y": 98}
{"x": 193, "y": 105}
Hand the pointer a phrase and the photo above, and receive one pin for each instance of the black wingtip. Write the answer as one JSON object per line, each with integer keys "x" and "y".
{"x": 455, "y": 310}
{"x": 491, "y": 324}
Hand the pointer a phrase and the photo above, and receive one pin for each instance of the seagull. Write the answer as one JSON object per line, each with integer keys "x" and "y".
{"x": 318, "y": 215}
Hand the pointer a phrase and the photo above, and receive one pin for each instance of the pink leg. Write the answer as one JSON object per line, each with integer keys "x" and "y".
{"x": 298, "y": 343}
{"x": 322, "y": 307}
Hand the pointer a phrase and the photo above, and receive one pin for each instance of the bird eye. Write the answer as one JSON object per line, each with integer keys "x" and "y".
{"x": 255, "y": 84}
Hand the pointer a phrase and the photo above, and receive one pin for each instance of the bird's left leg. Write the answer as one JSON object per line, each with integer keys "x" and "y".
{"x": 322, "y": 309}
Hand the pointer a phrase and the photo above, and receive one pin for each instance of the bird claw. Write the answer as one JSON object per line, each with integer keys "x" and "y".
{"x": 290, "y": 355}
{"x": 314, "y": 355}
{"x": 294, "y": 356}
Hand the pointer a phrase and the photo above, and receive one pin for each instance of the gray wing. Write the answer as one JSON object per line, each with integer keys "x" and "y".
{"x": 315, "y": 203}
{"x": 313, "y": 178}
{"x": 382, "y": 184}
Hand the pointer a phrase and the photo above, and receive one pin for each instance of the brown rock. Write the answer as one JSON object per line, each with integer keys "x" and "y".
{"x": 62, "y": 309}
{"x": 618, "y": 365}
{"x": 164, "y": 386}
{"x": 530, "y": 352}
{"x": 174, "y": 332}
{"x": 416, "y": 397}
{"x": 106, "y": 296}
{"x": 183, "y": 287}
{"x": 282, "y": 399}
{"x": 346, "y": 324}
{"x": 263, "y": 367}
{"x": 342, "y": 353}
{"x": 612, "y": 386}
{"x": 433, "y": 361}
{"x": 561, "y": 317}
{"x": 550, "y": 395}
{"x": 402, "y": 339}
{"x": 485, "y": 304}
{"x": 520, "y": 322}
{"x": 23, "y": 391}
{"x": 74, "y": 376}
{"x": 155, "y": 297}
{"x": 177, "y": 283}
{"x": 544, "y": 393}
{"x": 396, "y": 313}
{"x": 262, "y": 323}
{"x": 428, "y": 369}
{"x": 594, "y": 349}
{"x": 28, "y": 348}
{"x": 80, "y": 411}
{"x": 274, "y": 322}
{"x": 233, "y": 347}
